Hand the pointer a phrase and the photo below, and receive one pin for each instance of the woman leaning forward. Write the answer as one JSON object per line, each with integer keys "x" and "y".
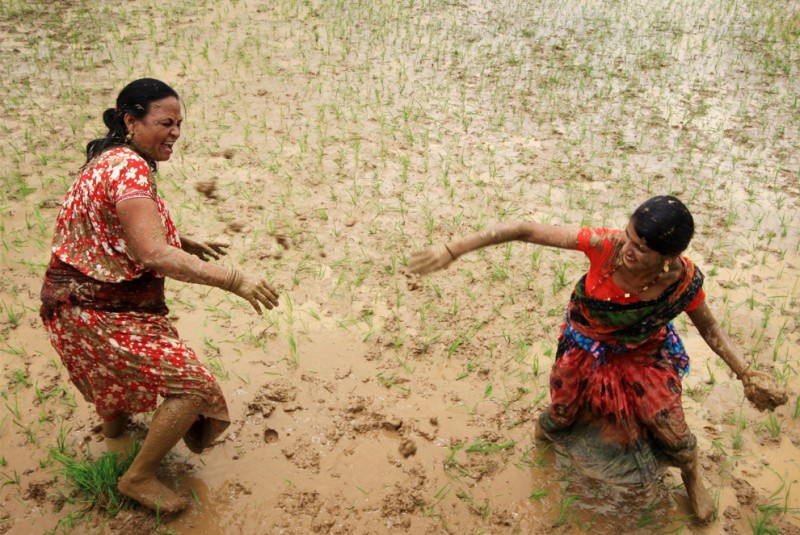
{"x": 615, "y": 386}
{"x": 103, "y": 300}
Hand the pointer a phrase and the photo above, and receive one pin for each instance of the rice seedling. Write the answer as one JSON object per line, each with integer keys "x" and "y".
{"x": 773, "y": 425}
{"x": 564, "y": 512}
{"x": 390, "y": 381}
{"x": 95, "y": 478}
{"x": 13, "y": 479}
{"x": 483, "y": 446}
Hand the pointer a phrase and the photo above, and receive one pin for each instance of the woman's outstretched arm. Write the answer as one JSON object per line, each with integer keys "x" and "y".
{"x": 440, "y": 256}
{"x": 759, "y": 387}
{"x": 145, "y": 237}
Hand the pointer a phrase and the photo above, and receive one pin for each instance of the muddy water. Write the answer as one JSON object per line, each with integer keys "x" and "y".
{"x": 339, "y": 138}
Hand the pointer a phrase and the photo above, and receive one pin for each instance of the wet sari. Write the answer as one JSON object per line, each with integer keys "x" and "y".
{"x": 615, "y": 386}
{"x": 106, "y": 313}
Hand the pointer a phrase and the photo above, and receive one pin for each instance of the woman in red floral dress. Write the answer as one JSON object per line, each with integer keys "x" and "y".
{"x": 103, "y": 297}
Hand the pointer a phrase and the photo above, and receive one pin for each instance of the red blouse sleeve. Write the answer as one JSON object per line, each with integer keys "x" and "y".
{"x": 129, "y": 177}
{"x": 697, "y": 301}
{"x": 600, "y": 247}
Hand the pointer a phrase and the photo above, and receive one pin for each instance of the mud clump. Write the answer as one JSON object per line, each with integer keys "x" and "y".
{"x": 303, "y": 455}
{"x": 280, "y": 390}
{"x": 208, "y": 188}
{"x": 407, "y": 448}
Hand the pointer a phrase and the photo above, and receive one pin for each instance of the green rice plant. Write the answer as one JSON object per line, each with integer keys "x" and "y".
{"x": 564, "y": 510}
{"x": 738, "y": 441}
{"x": 19, "y": 378}
{"x": 12, "y": 316}
{"x": 95, "y": 479}
{"x": 483, "y": 446}
{"x": 217, "y": 367}
{"x": 538, "y": 461}
{"x": 6, "y": 479}
{"x": 14, "y": 408}
{"x": 646, "y": 518}
{"x": 761, "y": 524}
{"x": 773, "y": 425}
{"x": 481, "y": 510}
{"x": 470, "y": 366}
{"x": 538, "y": 494}
{"x": 389, "y": 381}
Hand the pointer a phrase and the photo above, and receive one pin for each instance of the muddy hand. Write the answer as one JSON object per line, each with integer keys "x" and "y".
{"x": 204, "y": 249}
{"x": 257, "y": 292}
{"x": 431, "y": 259}
{"x": 762, "y": 391}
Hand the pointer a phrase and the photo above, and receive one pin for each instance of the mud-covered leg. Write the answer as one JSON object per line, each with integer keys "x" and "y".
{"x": 538, "y": 432}
{"x": 700, "y": 500}
{"x": 545, "y": 423}
{"x": 170, "y": 422}
{"x": 115, "y": 426}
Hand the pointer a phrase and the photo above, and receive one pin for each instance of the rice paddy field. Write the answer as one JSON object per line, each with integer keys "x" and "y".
{"x": 328, "y": 140}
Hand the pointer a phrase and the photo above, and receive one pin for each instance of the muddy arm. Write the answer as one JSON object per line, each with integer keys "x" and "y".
{"x": 548, "y": 235}
{"x": 440, "y": 256}
{"x": 717, "y": 340}
{"x": 145, "y": 236}
{"x": 759, "y": 387}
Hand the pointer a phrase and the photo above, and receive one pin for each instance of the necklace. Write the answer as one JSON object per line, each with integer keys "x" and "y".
{"x": 626, "y": 295}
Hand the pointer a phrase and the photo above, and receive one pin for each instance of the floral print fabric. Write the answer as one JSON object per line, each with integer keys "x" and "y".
{"x": 120, "y": 360}
{"x": 88, "y": 234}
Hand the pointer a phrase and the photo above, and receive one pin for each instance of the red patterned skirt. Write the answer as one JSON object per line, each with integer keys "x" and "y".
{"x": 123, "y": 360}
{"x": 621, "y": 419}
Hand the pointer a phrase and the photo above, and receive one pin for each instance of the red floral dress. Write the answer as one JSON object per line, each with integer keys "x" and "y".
{"x": 121, "y": 360}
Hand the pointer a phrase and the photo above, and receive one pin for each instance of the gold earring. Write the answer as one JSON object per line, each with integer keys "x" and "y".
{"x": 129, "y": 136}
{"x": 666, "y": 266}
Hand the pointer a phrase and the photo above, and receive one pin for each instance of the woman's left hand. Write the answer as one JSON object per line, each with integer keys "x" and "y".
{"x": 762, "y": 391}
{"x": 204, "y": 249}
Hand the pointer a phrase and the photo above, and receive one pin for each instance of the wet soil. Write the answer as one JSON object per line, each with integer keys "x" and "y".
{"x": 326, "y": 142}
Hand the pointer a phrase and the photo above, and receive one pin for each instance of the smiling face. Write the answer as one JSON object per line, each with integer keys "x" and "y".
{"x": 155, "y": 134}
{"x": 636, "y": 255}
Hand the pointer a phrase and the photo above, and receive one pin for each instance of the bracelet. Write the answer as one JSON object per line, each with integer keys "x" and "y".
{"x": 232, "y": 280}
{"x": 744, "y": 371}
{"x": 449, "y": 251}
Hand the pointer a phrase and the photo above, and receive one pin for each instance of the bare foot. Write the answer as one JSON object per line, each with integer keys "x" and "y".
{"x": 151, "y": 493}
{"x": 699, "y": 498}
{"x": 114, "y": 428}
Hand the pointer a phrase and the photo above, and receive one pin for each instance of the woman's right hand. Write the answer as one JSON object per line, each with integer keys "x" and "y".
{"x": 430, "y": 259}
{"x": 762, "y": 390}
{"x": 255, "y": 291}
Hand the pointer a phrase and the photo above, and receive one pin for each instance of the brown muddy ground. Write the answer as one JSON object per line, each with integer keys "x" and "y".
{"x": 326, "y": 141}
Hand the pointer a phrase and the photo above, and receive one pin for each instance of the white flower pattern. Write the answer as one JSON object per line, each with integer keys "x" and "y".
{"x": 120, "y": 361}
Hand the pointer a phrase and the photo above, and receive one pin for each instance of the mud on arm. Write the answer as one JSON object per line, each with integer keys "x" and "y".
{"x": 440, "y": 256}
{"x": 145, "y": 237}
{"x": 759, "y": 387}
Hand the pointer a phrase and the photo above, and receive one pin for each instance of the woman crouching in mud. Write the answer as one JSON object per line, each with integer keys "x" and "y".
{"x": 103, "y": 295}
{"x": 615, "y": 385}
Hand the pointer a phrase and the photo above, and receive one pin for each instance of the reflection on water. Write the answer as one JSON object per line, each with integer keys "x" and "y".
{"x": 572, "y": 499}
{"x": 205, "y": 515}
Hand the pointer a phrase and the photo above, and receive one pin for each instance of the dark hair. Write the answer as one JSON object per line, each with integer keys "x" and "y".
{"x": 135, "y": 98}
{"x": 665, "y": 224}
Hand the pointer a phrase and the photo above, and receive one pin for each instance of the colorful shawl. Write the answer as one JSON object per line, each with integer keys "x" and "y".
{"x": 602, "y": 327}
